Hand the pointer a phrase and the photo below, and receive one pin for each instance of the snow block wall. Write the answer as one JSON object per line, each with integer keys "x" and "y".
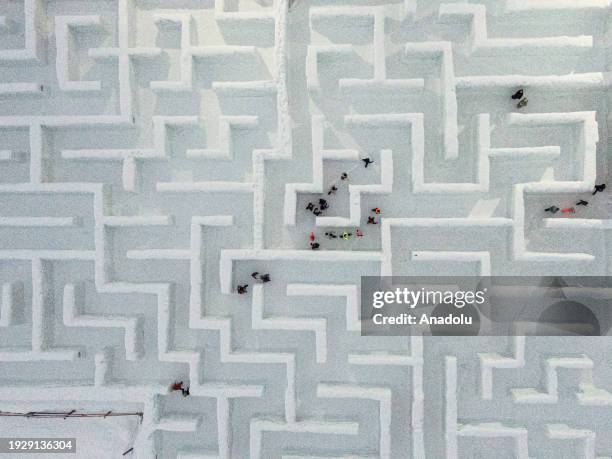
{"x": 154, "y": 153}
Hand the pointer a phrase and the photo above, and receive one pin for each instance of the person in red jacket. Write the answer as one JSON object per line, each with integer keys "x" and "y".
{"x": 568, "y": 210}
{"x": 176, "y": 386}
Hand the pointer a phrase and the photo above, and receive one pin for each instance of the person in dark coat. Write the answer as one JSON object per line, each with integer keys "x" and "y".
{"x": 518, "y": 95}
{"x": 367, "y": 161}
{"x": 599, "y": 188}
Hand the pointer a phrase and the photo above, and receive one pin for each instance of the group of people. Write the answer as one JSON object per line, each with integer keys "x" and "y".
{"x": 317, "y": 209}
{"x": 522, "y": 101}
{"x": 263, "y": 278}
{"x": 345, "y": 235}
{"x": 323, "y": 204}
{"x": 572, "y": 210}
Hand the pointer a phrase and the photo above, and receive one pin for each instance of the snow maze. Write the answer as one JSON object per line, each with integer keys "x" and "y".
{"x": 154, "y": 153}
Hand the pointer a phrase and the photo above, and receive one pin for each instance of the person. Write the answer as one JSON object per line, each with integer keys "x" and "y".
{"x": 310, "y": 206}
{"x": 176, "y": 386}
{"x": 599, "y": 188}
{"x": 358, "y": 233}
{"x": 344, "y": 176}
{"x": 568, "y": 210}
{"x": 333, "y": 189}
{"x": 242, "y": 289}
{"x": 254, "y": 275}
{"x": 522, "y": 103}
{"x": 265, "y": 278}
{"x": 552, "y": 209}
{"x": 346, "y": 235}
{"x": 331, "y": 235}
{"x": 376, "y": 210}
{"x": 372, "y": 221}
{"x": 367, "y": 161}
{"x": 312, "y": 236}
{"x": 518, "y": 95}
{"x": 316, "y": 211}
{"x": 582, "y": 202}
{"x": 314, "y": 245}
{"x": 323, "y": 204}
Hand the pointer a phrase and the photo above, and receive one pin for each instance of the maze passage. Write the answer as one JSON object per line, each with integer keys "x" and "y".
{"x": 191, "y": 190}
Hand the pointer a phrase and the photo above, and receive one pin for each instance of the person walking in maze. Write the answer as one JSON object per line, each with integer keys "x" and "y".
{"x": 522, "y": 103}
{"x": 367, "y": 161}
{"x": 372, "y": 221}
{"x": 518, "y": 95}
{"x": 344, "y": 176}
{"x": 176, "y": 386}
{"x": 582, "y": 202}
{"x": 323, "y": 204}
{"x": 255, "y": 275}
{"x": 314, "y": 245}
{"x": 376, "y": 210}
{"x": 346, "y": 235}
{"x": 310, "y": 206}
{"x": 552, "y": 209}
{"x": 358, "y": 233}
{"x": 242, "y": 289}
{"x": 331, "y": 235}
{"x": 568, "y": 210}
{"x": 264, "y": 278}
{"x": 333, "y": 189}
{"x": 599, "y": 188}
{"x": 316, "y": 211}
